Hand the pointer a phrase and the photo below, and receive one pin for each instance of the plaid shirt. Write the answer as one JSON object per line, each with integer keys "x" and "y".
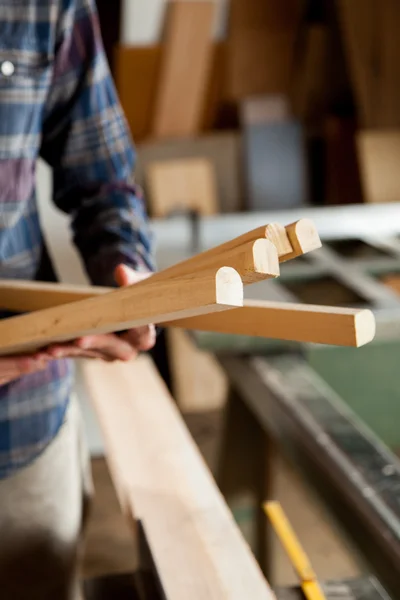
{"x": 57, "y": 101}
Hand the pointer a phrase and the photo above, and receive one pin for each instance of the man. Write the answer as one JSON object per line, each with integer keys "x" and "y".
{"x": 57, "y": 101}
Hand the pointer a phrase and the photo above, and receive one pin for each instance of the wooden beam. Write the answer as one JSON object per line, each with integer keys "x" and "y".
{"x": 254, "y": 261}
{"x": 185, "y": 69}
{"x": 27, "y": 296}
{"x": 140, "y": 304}
{"x": 274, "y": 320}
{"x": 291, "y": 241}
{"x": 292, "y": 322}
{"x": 161, "y": 478}
{"x": 303, "y": 238}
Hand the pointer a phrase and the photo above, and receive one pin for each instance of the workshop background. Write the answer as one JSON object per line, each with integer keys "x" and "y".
{"x": 242, "y": 110}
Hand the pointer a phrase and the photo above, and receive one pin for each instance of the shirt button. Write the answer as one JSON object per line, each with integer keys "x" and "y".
{"x": 7, "y": 68}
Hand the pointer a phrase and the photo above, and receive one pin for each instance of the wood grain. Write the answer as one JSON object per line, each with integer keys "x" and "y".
{"x": 286, "y": 321}
{"x": 253, "y": 254}
{"x": 291, "y": 322}
{"x": 140, "y": 304}
{"x": 160, "y": 477}
{"x": 185, "y": 69}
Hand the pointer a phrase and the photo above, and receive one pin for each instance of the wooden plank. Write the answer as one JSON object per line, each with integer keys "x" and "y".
{"x": 370, "y": 31}
{"x": 28, "y": 296}
{"x": 185, "y": 69}
{"x": 253, "y": 257}
{"x": 274, "y": 320}
{"x": 137, "y": 66}
{"x": 186, "y": 184}
{"x": 147, "y": 302}
{"x": 254, "y": 260}
{"x": 291, "y": 322}
{"x": 260, "y": 46}
{"x": 143, "y": 63}
{"x": 161, "y": 478}
{"x": 379, "y": 156}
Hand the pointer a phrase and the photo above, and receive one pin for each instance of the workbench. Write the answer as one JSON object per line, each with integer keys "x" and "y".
{"x": 281, "y": 403}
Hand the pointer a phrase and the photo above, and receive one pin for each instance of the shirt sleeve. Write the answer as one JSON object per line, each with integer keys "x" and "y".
{"x": 87, "y": 143}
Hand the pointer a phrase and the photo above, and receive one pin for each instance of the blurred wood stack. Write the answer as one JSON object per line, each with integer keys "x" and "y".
{"x": 186, "y": 69}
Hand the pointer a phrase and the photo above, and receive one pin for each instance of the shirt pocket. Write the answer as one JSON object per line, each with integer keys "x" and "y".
{"x": 25, "y": 77}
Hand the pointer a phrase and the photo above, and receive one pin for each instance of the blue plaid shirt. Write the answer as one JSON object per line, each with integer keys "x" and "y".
{"x": 57, "y": 101}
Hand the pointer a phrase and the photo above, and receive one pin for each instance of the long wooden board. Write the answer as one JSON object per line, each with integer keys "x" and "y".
{"x": 292, "y": 322}
{"x": 185, "y": 69}
{"x": 274, "y": 320}
{"x": 161, "y": 478}
{"x": 144, "y": 303}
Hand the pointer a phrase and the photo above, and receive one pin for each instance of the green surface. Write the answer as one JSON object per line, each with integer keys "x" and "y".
{"x": 368, "y": 380}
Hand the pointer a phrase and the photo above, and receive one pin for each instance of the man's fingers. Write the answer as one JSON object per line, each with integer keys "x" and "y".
{"x": 124, "y": 276}
{"x": 109, "y": 344}
{"x": 142, "y": 338}
{"x": 14, "y": 367}
{"x": 72, "y": 351}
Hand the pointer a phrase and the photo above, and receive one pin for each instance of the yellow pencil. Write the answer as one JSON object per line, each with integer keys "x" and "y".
{"x": 294, "y": 550}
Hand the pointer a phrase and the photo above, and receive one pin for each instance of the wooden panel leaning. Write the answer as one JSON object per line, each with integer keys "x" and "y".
{"x": 162, "y": 480}
{"x": 185, "y": 184}
{"x": 185, "y": 69}
{"x": 133, "y": 306}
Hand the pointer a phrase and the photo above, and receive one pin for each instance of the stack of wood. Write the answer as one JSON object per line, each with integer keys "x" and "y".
{"x": 204, "y": 292}
{"x": 322, "y": 74}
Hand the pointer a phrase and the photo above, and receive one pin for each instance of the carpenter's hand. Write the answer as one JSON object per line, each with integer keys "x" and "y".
{"x": 111, "y": 347}
{"x": 13, "y": 367}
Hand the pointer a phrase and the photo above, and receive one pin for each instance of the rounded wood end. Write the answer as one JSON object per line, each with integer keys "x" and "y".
{"x": 365, "y": 327}
{"x": 229, "y": 287}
